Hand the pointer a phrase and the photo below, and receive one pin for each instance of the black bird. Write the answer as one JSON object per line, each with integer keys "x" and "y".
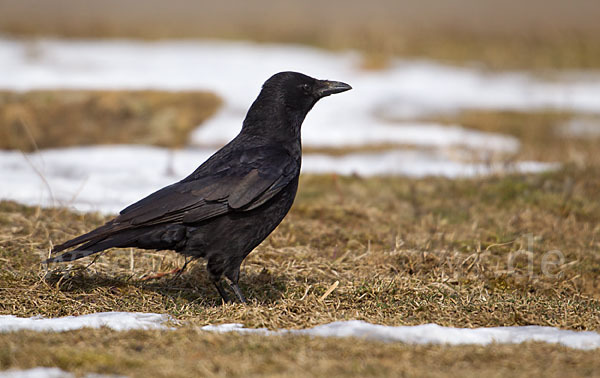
{"x": 234, "y": 200}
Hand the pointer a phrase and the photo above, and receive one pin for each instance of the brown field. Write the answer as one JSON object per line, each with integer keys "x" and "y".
{"x": 192, "y": 353}
{"x": 533, "y": 34}
{"x": 403, "y": 254}
{"x": 404, "y": 251}
{"x": 63, "y": 118}
{"x": 540, "y": 132}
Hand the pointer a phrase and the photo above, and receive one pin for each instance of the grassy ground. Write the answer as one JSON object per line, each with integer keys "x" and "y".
{"x": 64, "y": 118}
{"x": 543, "y": 134}
{"x": 192, "y": 353}
{"x": 404, "y": 252}
{"x": 495, "y": 251}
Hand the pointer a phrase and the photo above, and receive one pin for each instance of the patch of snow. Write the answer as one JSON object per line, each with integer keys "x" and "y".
{"x": 38, "y": 372}
{"x": 351, "y": 129}
{"x": 236, "y": 70}
{"x": 237, "y": 327}
{"x": 49, "y": 372}
{"x": 99, "y": 178}
{"x": 420, "y": 334}
{"x": 118, "y": 321}
{"x": 414, "y": 163}
{"x": 108, "y": 178}
{"x": 434, "y": 334}
{"x": 377, "y": 111}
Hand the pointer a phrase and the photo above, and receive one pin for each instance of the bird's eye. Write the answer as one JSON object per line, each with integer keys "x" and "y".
{"x": 306, "y": 88}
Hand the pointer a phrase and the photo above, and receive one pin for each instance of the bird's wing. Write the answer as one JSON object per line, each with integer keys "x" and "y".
{"x": 240, "y": 181}
{"x": 248, "y": 180}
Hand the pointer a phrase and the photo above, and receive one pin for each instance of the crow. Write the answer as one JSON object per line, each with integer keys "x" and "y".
{"x": 230, "y": 203}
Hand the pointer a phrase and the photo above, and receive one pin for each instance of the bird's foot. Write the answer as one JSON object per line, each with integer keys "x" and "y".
{"x": 216, "y": 280}
{"x": 155, "y": 276}
{"x": 217, "y": 283}
{"x": 238, "y": 292}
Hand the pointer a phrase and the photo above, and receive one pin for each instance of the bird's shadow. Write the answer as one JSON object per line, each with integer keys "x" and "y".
{"x": 192, "y": 286}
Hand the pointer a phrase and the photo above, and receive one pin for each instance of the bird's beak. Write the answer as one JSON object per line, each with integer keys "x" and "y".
{"x": 326, "y": 88}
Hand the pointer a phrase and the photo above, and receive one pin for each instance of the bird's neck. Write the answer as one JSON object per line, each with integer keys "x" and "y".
{"x": 273, "y": 122}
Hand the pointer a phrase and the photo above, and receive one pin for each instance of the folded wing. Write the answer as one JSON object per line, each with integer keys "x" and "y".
{"x": 247, "y": 182}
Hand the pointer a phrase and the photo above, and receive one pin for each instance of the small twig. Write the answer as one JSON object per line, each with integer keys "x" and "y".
{"x": 25, "y": 125}
{"x": 341, "y": 258}
{"x": 182, "y": 269}
{"x": 498, "y": 245}
{"x": 306, "y": 292}
{"x": 131, "y": 260}
{"x": 41, "y": 175}
{"x": 28, "y": 131}
{"x": 329, "y": 291}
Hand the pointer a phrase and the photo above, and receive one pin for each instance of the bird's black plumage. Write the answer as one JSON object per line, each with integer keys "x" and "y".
{"x": 234, "y": 200}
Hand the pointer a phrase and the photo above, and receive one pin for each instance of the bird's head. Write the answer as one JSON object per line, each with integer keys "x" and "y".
{"x": 299, "y": 91}
{"x": 288, "y": 97}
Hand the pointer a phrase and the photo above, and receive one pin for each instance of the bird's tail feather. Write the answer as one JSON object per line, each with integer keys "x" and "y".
{"x": 92, "y": 246}
{"x": 71, "y": 255}
{"x": 93, "y": 236}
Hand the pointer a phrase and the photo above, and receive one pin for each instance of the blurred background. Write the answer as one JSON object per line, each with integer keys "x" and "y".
{"x": 445, "y": 88}
{"x": 501, "y": 34}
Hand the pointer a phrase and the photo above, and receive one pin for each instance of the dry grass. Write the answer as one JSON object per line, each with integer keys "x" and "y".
{"x": 403, "y": 255}
{"x": 404, "y": 251}
{"x": 192, "y": 353}
{"x": 499, "y": 35}
{"x": 535, "y": 51}
{"x": 63, "y": 118}
{"x": 541, "y": 133}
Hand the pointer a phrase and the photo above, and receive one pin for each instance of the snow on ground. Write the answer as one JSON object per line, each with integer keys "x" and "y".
{"x": 421, "y": 334}
{"x": 118, "y": 321}
{"x": 38, "y": 372}
{"x": 49, "y": 372}
{"x": 414, "y": 163}
{"x": 383, "y": 107}
{"x": 108, "y": 178}
{"x": 433, "y": 334}
{"x": 236, "y": 70}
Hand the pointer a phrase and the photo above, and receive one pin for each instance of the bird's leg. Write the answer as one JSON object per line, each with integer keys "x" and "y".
{"x": 233, "y": 277}
{"x": 238, "y": 292}
{"x": 217, "y": 282}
